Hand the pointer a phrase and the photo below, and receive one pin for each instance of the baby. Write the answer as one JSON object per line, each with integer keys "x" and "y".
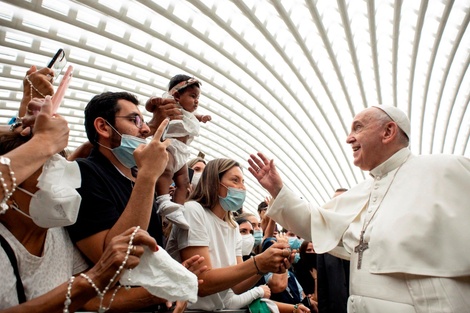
{"x": 185, "y": 90}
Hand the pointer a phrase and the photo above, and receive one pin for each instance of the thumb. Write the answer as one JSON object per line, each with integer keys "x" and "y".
{"x": 31, "y": 70}
{"x": 47, "y": 106}
{"x": 26, "y": 131}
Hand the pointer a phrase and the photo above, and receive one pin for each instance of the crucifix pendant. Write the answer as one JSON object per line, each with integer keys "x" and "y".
{"x": 360, "y": 248}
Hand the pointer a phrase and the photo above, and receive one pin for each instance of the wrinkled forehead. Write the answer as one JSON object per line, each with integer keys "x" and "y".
{"x": 366, "y": 116}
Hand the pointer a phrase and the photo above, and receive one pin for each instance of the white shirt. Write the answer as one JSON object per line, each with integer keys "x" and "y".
{"x": 59, "y": 261}
{"x": 207, "y": 230}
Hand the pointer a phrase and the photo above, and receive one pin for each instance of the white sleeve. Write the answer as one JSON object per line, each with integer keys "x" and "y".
{"x": 234, "y": 301}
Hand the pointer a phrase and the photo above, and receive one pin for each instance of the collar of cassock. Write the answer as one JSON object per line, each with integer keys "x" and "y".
{"x": 392, "y": 163}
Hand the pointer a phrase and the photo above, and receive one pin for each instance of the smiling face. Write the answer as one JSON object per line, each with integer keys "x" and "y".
{"x": 189, "y": 98}
{"x": 366, "y": 139}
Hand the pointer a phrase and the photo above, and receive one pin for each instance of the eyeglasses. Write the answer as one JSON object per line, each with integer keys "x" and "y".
{"x": 137, "y": 119}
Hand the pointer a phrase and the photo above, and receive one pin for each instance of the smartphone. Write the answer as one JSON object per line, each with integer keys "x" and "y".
{"x": 163, "y": 137}
{"x": 306, "y": 302}
{"x": 60, "y": 93}
{"x": 57, "y": 63}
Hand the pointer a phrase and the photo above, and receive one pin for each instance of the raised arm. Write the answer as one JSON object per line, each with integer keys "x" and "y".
{"x": 151, "y": 160}
{"x": 50, "y": 137}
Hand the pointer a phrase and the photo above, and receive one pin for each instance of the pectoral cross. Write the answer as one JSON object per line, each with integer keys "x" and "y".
{"x": 360, "y": 248}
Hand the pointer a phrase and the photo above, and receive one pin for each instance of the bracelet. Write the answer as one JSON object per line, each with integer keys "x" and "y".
{"x": 257, "y": 268}
{"x": 31, "y": 87}
{"x": 101, "y": 294}
{"x": 296, "y": 306}
{"x": 14, "y": 123}
{"x": 7, "y": 193}
{"x": 68, "y": 295}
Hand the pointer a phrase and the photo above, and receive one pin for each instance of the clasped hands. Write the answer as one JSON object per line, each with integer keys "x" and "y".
{"x": 276, "y": 259}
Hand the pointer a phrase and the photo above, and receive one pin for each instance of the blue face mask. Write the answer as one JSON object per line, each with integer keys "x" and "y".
{"x": 125, "y": 151}
{"x": 258, "y": 234}
{"x": 234, "y": 199}
{"x": 294, "y": 243}
{"x": 296, "y": 257}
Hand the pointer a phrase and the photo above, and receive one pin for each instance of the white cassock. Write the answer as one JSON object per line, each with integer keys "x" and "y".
{"x": 418, "y": 256}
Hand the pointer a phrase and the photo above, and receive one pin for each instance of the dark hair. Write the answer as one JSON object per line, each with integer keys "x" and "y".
{"x": 241, "y": 221}
{"x": 341, "y": 190}
{"x": 11, "y": 140}
{"x": 303, "y": 246}
{"x": 262, "y": 206}
{"x": 175, "y": 80}
{"x": 104, "y": 105}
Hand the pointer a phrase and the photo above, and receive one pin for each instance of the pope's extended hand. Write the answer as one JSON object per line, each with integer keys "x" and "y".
{"x": 274, "y": 259}
{"x": 266, "y": 173}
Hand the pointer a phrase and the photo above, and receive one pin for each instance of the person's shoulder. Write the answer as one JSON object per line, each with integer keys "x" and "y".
{"x": 94, "y": 163}
{"x": 194, "y": 207}
{"x": 440, "y": 159}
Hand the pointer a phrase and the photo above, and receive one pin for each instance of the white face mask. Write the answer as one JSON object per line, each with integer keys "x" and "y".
{"x": 56, "y": 208}
{"x": 248, "y": 242}
{"x": 195, "y": 179}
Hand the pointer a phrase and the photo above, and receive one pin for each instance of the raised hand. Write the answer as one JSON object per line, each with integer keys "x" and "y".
{"x": 153, "y": 157}
{"x": 266, "y": 173}
{"x": 52, "y": 129}
{"x": 161, "y": 109}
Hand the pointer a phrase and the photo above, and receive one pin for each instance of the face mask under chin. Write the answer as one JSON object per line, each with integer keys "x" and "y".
{"x": 124, "y": 153}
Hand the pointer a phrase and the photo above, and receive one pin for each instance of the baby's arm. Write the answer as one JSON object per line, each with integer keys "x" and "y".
{"x": 203, "y": 118}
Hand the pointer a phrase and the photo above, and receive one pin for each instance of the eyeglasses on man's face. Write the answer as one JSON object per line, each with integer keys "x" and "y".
{"x": 136, "y": 118}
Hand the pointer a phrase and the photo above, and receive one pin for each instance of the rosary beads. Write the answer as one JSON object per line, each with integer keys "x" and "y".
{"x": 99, "y": 293}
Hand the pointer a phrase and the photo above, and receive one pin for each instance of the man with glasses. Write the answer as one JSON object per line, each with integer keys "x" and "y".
{"x": 114, "y": 196}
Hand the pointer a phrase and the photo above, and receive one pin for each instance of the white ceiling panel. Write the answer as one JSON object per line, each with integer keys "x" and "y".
{"x": 281, "y": 77}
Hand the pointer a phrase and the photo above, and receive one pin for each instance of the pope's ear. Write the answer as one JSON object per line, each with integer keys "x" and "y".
{"x": 390, "y": 131}
{"x": 102, "y": 127}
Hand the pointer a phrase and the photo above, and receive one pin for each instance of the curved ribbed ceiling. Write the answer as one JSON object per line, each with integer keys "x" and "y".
{"x": 281, "y": 77}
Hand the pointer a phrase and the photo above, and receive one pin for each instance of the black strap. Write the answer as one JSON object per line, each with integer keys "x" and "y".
{"x": 11, "y": 255}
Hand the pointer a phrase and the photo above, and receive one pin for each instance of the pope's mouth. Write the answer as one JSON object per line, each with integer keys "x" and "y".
{"x": 355, "y": 149}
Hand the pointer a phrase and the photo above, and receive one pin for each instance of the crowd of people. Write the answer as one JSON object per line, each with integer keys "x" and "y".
{"x": 72, "y": 223}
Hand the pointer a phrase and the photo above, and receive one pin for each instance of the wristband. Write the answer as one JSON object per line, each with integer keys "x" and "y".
{"x": 257, "y": 268}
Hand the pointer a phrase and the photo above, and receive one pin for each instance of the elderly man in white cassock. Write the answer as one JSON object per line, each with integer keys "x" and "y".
{"x": 405, "y": 229}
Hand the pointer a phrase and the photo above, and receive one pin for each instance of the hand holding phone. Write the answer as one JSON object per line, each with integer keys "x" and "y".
{"x": 60, "y": 93}
{"x": 57, "y": 63}
{"x": 163, "y": 137}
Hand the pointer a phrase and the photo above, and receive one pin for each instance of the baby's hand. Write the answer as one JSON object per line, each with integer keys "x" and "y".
{"x": 205, "y": 118}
